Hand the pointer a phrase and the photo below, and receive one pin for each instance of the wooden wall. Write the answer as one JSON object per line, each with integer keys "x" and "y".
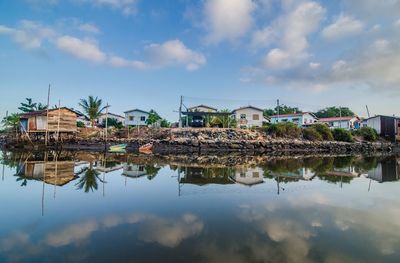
{"x": 67, "y": 120}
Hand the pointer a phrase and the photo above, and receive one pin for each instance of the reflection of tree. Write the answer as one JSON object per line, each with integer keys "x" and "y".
{"x": 89, "y": 178}
{"x": 151, "y": 171}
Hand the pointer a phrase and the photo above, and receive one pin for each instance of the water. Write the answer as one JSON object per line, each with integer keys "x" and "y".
{"x": 81, "y": 207}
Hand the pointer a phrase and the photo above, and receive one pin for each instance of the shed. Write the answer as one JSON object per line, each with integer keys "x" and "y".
{"x": 385, "y": 126}
{"x": 61, "y": 120}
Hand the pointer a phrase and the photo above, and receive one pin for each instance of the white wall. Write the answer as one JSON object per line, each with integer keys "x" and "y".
{"x": 136, "y": 118}
{"x": 250, "y": 119}
{"x": 375, "y": 123}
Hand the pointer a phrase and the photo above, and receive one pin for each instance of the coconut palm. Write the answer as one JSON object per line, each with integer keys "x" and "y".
{"x": 89, "y": 178}
{"x": 92, "y": 107}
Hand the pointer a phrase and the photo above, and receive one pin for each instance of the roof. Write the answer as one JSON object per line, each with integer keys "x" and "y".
{"x": 294, "y": 114}
{"x": 139, "y": 110}
{"x": 44, "y": 112}
{"x": 112, "y": 114}
{"x": 384, "y": 116}
{"x": 344, "y": 118}
{"x": 203, "y": 106}
{"x": 248, "y": 107}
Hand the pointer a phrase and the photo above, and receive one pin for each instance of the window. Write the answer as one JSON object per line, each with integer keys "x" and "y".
{"x": 256, "y": 117}
{"x": 142, "y": 118}
{"x": 243, "y": 116}
{"x": 131, "y": 118}
{"x": 242, "y": 174}
{"x": 256, "y": 174}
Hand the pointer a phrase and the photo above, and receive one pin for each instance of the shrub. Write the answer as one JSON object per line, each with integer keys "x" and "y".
{"x": 283, "y": 130}
{"x": 324, "y": 131}
{"x": 368, "y": 134}
{"x": 312, "y": 134}
{"x": 80, "y": 124}
{"x": 342, "y": 135}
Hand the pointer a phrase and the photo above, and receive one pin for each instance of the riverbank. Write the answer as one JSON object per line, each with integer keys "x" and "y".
{"x": 189, "y": 141}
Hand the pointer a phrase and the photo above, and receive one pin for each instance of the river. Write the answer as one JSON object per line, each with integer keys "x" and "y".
{"x": 84, "y": 207}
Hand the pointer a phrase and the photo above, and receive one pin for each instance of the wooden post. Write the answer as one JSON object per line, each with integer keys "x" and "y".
{"x": 47, "y": 116}
{"x": 180, "y": 113}
{"x": 106, "y": 132}
{"x": 58, "y": 123}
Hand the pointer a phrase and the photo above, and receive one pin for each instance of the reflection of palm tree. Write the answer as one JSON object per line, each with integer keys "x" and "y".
{"x": 88, "y": 180}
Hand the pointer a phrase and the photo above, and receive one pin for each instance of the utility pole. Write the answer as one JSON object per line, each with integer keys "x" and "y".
{"x": 366, "y": 106}
{"x": 278, "y": 111}
{"x": 58, "y": 123}
{"x": 106, "y": 132}
{"x": 180, "y": 112}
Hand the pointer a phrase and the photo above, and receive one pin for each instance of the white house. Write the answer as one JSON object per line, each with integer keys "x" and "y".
{"x": 202, "y": 108}
{"x": 136, "y": 117}
{"x": 102, "y": 119}
{"x": 249, "y": 176}
{"x": 301, "y": 118}
{"x": 248, "y": 117}
{"x": 348, "y": 122}
{"x": 134, "y": 170}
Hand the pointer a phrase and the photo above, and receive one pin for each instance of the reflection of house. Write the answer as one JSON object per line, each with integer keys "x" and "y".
{"x": 62, "y": 120}
{"x": 301, "y": 118}
{"x": 349, "y": 171}
{"x": 108, "y": 168}
{"x": 134, "y": 170}
{"x": 387, "y": 171}
{"x": 386, "y": 126}
{"x": 248, "y": 117}
{"x": 136, "y": 117}
{"x": 52, "y": 172}
{"x": 348, "y": 123}
{"x": 248, "y": 176}
{"x": 204, "y": 176}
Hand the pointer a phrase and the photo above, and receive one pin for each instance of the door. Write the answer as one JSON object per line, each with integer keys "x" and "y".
{"x": 32, "y": 124}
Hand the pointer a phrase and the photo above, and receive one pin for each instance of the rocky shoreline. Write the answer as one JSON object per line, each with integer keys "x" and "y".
{"x": 208, "y": 141}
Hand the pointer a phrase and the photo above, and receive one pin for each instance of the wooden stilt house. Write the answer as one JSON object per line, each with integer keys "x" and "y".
{"x": 62, "y": 120}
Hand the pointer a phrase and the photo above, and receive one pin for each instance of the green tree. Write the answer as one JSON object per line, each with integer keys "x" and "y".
{"x": 224, "y": 121}
{"x": 30, "y": 106}
{"x": 330, "y": 112}
{"x": 11, "y": 121}
{"x": 113, "y": 122}
{"x": 92, "y": 107}
{"x": 165, "y": 124}
{"x": 283, "y": 109}
{"x": 153, "y": 117}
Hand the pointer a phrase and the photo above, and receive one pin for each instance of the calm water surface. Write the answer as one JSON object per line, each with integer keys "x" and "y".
{"x": 81, "y": 207}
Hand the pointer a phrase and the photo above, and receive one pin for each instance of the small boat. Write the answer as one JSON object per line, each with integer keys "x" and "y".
{"x": 147, "y": 148}
{"x": 117, "y": 148}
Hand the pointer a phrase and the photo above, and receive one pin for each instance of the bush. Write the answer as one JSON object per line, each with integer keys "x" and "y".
{"x": 312, "y": 134}
{"x": 342, "y": 135}
{"x": 368, "y": 134}
{"x": 80, "y": 124}
{"x": 324, "y": 131}
{"x": 290, "y": 130}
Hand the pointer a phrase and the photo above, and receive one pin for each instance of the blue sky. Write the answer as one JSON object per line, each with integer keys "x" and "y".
{"x": 226, "y": 53}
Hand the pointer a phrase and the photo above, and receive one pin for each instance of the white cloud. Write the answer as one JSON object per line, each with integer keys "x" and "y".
{"x": 397, "y": 23}
{"x": 28, "y": 34}
{"x": 263, "y": 37}
{"x": 294, "y": 27}
{"x": 89, "y": 28}
{"x": 127, "y": 7}
{"x": 119, "y": 62}
{"x": 343, "y": 26}
{"x": 173, "y": 52}
{"x": 314, "y": 65}
{"x": 227, "y": 20}
{"x": 71, "y": 234}
{"x": 83, "y": 49}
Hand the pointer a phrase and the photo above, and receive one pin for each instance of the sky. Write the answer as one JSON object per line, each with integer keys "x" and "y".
{"x": 224, "y": 53}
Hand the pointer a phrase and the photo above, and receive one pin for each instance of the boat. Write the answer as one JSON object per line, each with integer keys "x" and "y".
{"x": 117, "y": 148}
{"x": 146, "y": 148}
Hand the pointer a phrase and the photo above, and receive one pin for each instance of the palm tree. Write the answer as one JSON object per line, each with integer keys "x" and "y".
{"x": 92, "y": 107}
{"x": 88, "y": 181}
{"x": 30, "y": 106}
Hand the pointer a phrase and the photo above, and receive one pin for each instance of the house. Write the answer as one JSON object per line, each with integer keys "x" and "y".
{"x": 301, "y": 118}
{"x": 61, "y": 120}
{"x": 136, "y": 117}
{"x": 134, "y": 170}
{"x": 101, "y": 120}
{"x": 348, "y": 122}
{"x": 385, "y": 126}
{"x": 248, "y": 117}
{"x": 202, "y": 108}
{"x": 249, "y": 176}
